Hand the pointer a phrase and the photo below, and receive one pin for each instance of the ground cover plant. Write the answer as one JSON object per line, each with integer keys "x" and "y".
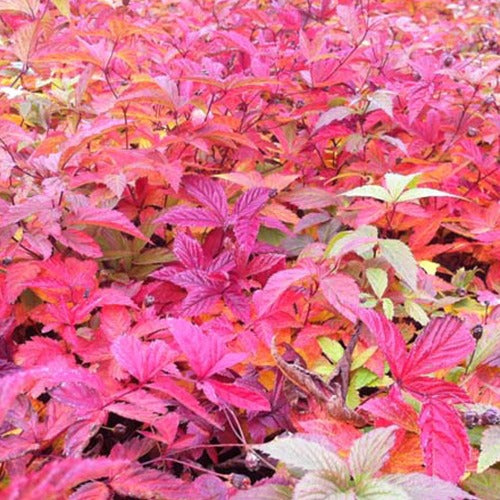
{"x": 249, "y": 249}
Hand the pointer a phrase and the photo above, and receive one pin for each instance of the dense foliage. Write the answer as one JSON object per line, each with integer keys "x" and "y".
{"x": 249, "y": 248}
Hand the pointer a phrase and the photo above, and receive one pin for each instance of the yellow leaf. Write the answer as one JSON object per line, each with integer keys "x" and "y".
{"x": 63, "y": 7}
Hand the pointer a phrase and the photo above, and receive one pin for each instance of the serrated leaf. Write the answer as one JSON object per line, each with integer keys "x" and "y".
{"x": 486, "y": 485}
{"x": 378, "y": 280}
{"x": 444, "y": 440}
{"x": 443, "y": 343}
{"x": 297, "y": 452}
{"x": 104, "y": 217}
{"x": 416, "y": 312}
{"x": 490, "y": 448}
{"x": 141, "y": 360}
{"x": 320, "y": 486}
{"x": 370, "y": 452}
{"x": 380, "y": 489}
{"x": 369, "y": 191}
{"x": 418, "y": 486}
{"x": 342, "y": 292}
{"x": 399, "y": 256}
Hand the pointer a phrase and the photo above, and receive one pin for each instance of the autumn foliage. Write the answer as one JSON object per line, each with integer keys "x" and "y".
{"x": 249, "y": 249}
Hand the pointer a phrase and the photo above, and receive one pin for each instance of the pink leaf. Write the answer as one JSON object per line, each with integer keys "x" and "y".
{"x": 250, "y": 202}
{"x": 209, "y": 193}
{"x": 276, "y": 285}
{"x": 188, "y": 250}
{"x": 167, "y": 385}
{"x": 427, "y": 387}
{"x": 246, "y": 231}
{"x": 80, "y": 242}
{"x": 342, "y": 292}
{"x": 199, "y": 301}
{"x": 141, "y": 360}
{"x": 191, "y": 217}
{"x": 393, "y": 409}
{"x": 138, "y": 482}
{"x": 444, "y": 441}
{"x": 389, "y": 339}
{"x": 103, "y": 217}
{"x": 444, "y": 342}
{"x": 239, "y": 396}
{"x": 207, "y": 354}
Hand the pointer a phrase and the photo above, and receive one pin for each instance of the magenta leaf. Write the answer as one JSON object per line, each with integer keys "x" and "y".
{"x": 342, "y": 292}
{"x": 207, "y": 354}
{"x": 389, "y": 340}
{"x": 188, "y": 250}
{"x": 250, "y": 202}
{"x": 427, "y": 387}
{"x": 209, "y": 193}
{"x": 444, "y": 342}
{"x": 444, "y": 441}
{"x": 191, "y": 217}
{"x": 239, "y": 396}
{"x": 141, "y": 360}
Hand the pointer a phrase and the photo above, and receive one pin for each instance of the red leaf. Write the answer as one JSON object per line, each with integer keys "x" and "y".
{"x": 207, "y": 354}
{"x": 239, "y": 396}
{"x": 389, "y": 339}
{"x": 342, "y": 292}
{"x": 443, "y": 343}
{"x": 444, "y": 441}
{"x": 141, "y": 360}
{"x": 104, "y": 217}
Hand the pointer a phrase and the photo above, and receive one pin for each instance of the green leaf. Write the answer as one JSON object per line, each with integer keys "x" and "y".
{"x": 388, "y": 308}
{"x": 417, "y": 193}
{"x": 363, "y": 377}
{"x": 401, "y": 259}
{"x": 490, "y": 448}
{"x": 321, "y": 486}
{"x": 416, "y": 312}
{"x": 307, "y": 455}
{"x": 421, "y": 486}
{"x": 488, "y": 344}
{"x": 370, "y": 452}
{"x": 397, "y": 183}
{"x": 331, "y": 348}
{"x": 486, "y": 485}
{"x": 369, "y": 191}
{"x": 378, "y": 280}
{"x": 378, "y": 489}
